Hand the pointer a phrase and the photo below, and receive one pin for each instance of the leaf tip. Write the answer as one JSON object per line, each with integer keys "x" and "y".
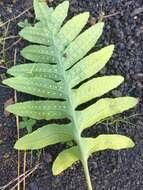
{"x": 118, "y": 79}
{"x": 9, "y": 71}
{"x": 20, "y": 144}
{"x": 132, "y": 144}
{"x": 132, "y": 100}
{"x": 121, "y": 78}
{"x": 86, "y": 14}
{"x": 8, "y": 108}
{"x": 66, "y": 4}
{"x": 98, "y": 28}
{"x": 129, "y": 142}
{"x": 101, "y": 24}
{"x": 16, "y": 146}
{"x": 112, "y": 47}
{"x": 55, "y": 170}
{"x": 21, "y": 33}
{"x": 135, "y": 100}
{"x": 22, "y": 52}
{"x": 6, "y": 81}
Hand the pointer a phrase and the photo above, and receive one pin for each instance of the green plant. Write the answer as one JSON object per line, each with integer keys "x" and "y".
{"x": 59, "y": 66}
{"x": 27, "y": 124}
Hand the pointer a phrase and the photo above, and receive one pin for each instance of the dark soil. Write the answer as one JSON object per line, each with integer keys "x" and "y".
{"x": 120, "y": 170}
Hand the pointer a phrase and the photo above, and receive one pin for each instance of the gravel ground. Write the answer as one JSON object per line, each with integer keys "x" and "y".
{"x": 120, "y": 170}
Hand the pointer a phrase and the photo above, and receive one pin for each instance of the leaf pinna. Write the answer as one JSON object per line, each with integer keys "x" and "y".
{"x": 58, "y": 71}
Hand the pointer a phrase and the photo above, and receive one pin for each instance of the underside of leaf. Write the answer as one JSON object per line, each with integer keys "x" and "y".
{"x": 60, "y": 60}
{"x": 44, "y": 136}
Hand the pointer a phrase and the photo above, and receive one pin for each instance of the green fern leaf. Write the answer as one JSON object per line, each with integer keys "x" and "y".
{"x": 39, "y": 110}
{"x": 58, "y": 16}
{"x": 47, "y": 135}
{"x": 104, "y": 108}
{"x": 68, "y": 157}
{"x": 67, "y": 34}
{"x": 37, "y": 53}
{"x": 45, "y": 88}
{"x": 89, "y": 66}
{"x": 39, "y": 70}
{"x": 65, "y": 159}
{"x": 103, "y": 142}
{"x": 61, "y": 63}
{"x": 42, "y": 11}
{"x": 39, "y": 35}
{"x": 88, "y": 38}
{"x": 94, "y": 88}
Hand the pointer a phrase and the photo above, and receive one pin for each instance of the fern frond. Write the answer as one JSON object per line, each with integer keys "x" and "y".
{"x": 60, "y": 62}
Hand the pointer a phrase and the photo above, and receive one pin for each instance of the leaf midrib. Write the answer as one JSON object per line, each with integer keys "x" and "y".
{"x": 76, "y": 134}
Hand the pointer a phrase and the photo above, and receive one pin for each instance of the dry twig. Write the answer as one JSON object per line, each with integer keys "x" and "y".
{"x": 17, "y": 126}
{"x": 20, "y": 178}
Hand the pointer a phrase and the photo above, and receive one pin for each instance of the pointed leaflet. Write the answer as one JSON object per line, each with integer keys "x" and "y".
{"x": 82, "y": 44}
{"x": 58, "y": 16}
{"x": 42, "y": 11}
{"x": 36, "y": 70}
{"x": 37, "y": 86}
{"x": 36, "y": 34}
{"x": 67, "y": 34}
{"x": 103, "y": 142}
{"x": 65, "y": 159}
{"x": 44, "y": 136}
{"x": 89, "y": 66}
{"x": 39, "y": 53}
{"x": 104, "y": 108}
{"x": 95, "y": 88}
{"x": 46, "y": 110}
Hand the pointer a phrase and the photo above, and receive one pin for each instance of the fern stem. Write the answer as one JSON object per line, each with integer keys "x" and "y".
{"x": 87, "y": 175}
{"x": 77, "y": 134}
